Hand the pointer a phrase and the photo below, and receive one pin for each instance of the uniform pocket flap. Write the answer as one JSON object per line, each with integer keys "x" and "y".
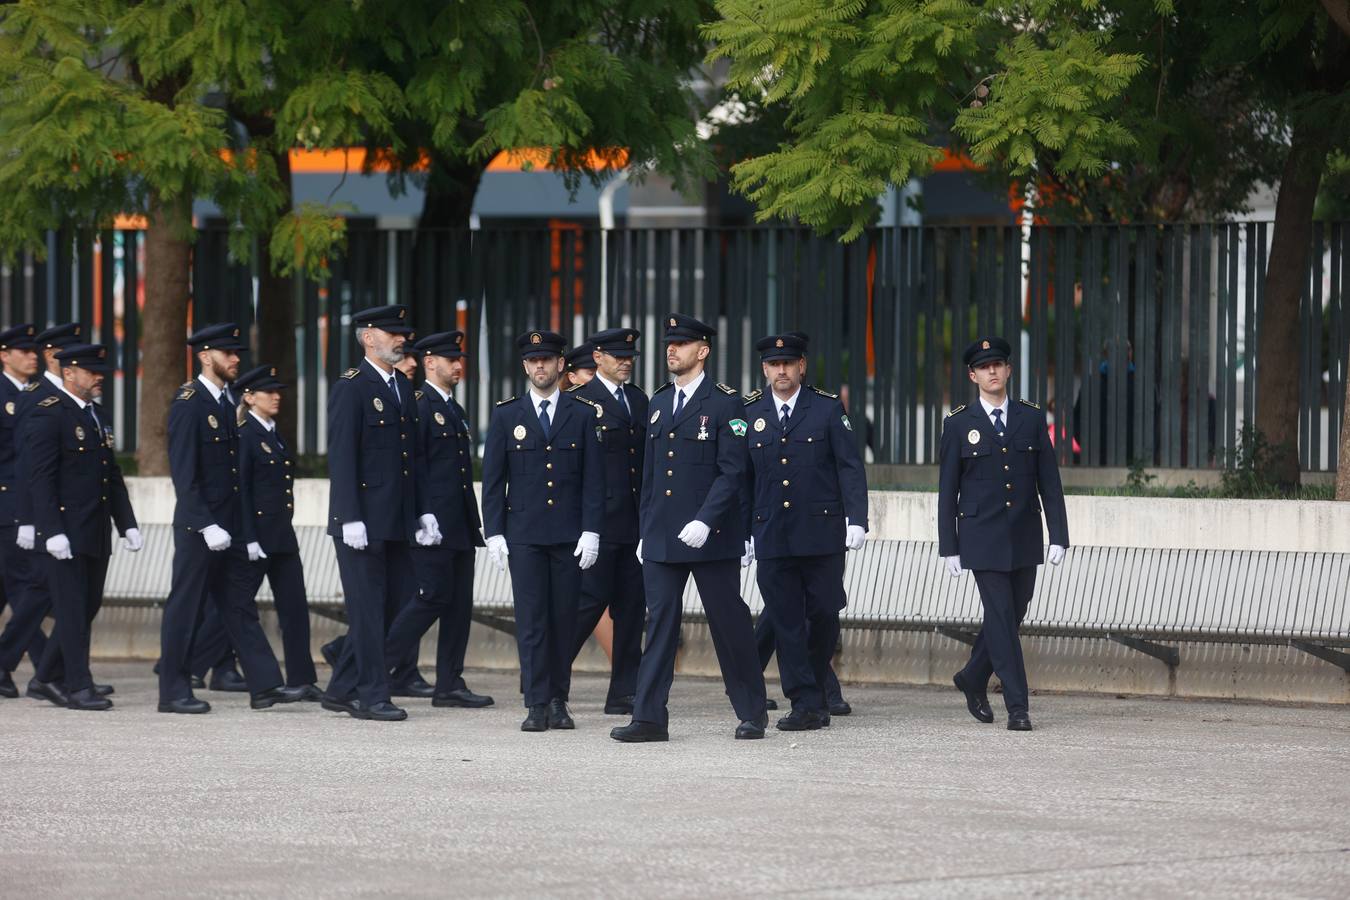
{"x": 967, "y": 508}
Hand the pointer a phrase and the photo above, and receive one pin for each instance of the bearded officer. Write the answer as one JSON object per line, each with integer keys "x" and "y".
{"x": 997, "y": 470}
{"x": 692, "y": 523}
{"x": 810, "y": 506}
{"x": 614, "y": 583}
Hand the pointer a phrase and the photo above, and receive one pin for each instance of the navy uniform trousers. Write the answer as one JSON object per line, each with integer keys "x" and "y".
{"x": 545, "y": 584}
{"x": 719, "y": 584}
{"x": 376, "y": 583}
{"x": 803, "y": 596}
{"x": 76, "y": 586}
{"x": 445, "y": 595}
{"x": 21, "y": 589}
{"x": 998, "y": 649}
{"x": 766, "y": 641}
{"x": 613, "y": 583}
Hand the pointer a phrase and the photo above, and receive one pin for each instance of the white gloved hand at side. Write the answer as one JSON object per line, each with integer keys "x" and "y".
{"x": 954, "y": 566}
{"x": 497, "y": 552}
{"x": 354, "y": 535}
{"x": 1056, "y": 554}
{"x": 588, "y": 548}
{"x": 638, "y": 551}
{"x": 216, "y": 538}
{"x": 132, "y": 540}
{"x": 429, "y": 535}
{"x": 854, "y": 536}
{"x": 27, "y": 537}
{"x": 749, "y": 556}
{"x": 255, "y": 552}
{"x": 58, "y": 545}
{"x": 694, "y": 535}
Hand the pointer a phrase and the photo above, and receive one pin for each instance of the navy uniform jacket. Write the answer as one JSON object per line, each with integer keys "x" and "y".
{"x": 447, "y": 473}
{"x": 695, "y": 469}
{"x": 204, "y": 461}
{"x": 624, "y": 439}
{"x": 990, "y": 492}
{"x": 806, "y": 479}
{"x": 537, "y": 490}
{"x": 372, "y": 456}
{"x": 9, "y": 436}
{"x": 76, "y": 486}
{"x": 266, "y": 489}
{"x": 39, "y": 389}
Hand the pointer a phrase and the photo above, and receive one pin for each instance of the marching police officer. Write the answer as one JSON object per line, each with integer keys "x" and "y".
{"x": 996, "y": 471}
{"x": 692, "y": 523}
{"x": 376, "y": 511}
{"x": 615, "y": 581}
{"x": 207, "y": 532}
{"x": 266, "y": 489}
{"x": 543, "y": 490}
{"x": 76, "y": 488}
{"x": 809, "y": 507}
{"x": 445, "y": 571}
{"x": 18, "y": 353}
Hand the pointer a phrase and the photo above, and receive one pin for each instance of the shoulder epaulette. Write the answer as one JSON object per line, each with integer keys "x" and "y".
{"x": 1029, "y": 403}
{"x": 504, "y": 402}
{"x": 586, "y": 401}
{"x": 575, "y": 387}
{"x": 728, "y": 390}
{"x": 956, "y": 410}
{"x": 185, "y": 393}
{"x": 351, "y": 373}
{"x": 49, "y": 401}
{"x": 666, "y": 386}
{"x": 753, "y": 396}
{"x": 824, "y": 393}
{"x": 30, "y": 386}
{"x": 417, "y": 395}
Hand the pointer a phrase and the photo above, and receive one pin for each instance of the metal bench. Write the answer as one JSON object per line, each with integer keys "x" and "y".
{"x": 1138, "y": 597}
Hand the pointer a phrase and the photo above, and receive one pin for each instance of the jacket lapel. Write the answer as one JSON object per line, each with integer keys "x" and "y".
{"x": 561, "y": 415}
{"x": 798, "y": 410}
{"x": 691, "y": 404}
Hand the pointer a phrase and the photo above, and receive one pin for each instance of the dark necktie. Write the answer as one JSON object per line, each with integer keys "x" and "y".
{"x": 393, "y": 388}
{"x": 623, "y": 401}
{"x": 679, "y": 403}
{"x": 93, "y": 416}
{"x": 783, "y": 414}
{"x": 998, "y": 423}
{"x": 544, "y": 422}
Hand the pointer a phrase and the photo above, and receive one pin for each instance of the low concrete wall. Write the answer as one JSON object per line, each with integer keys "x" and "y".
{"x": 1206, "y": 670}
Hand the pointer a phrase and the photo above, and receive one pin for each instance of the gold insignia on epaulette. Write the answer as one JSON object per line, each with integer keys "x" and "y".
{"x": 417, "y": 395}
{"x": 30, "y": 386}
{"x": 728, "y": 390}
{"x": 956, "y": 410}
{"x": 753, "y": 396}
{"x": 825, "y": 393}
{"x": 351, "y": 373}
{"x": 185, "y": 394}
{"x": 1029, "y": 403}
{"x": 50, "y": 401}
{"x": 571, "y": 388}
{"x": 503, "y": 402}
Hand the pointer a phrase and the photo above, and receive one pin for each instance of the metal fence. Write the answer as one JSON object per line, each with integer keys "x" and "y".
{"x": 1175, "y": 308}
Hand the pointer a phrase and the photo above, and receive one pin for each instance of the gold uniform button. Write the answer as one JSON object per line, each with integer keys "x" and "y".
{"x": 633, "y": 471}
{"x": 1008, "y": 504}
{"x": 671, "y": 435}
{"x": 783, "y": 460}
{"x": 1005, "y": 449}
{"x": 670, "y": 473}
{"x": 1008, "y": 486}
{"x": 631, "y": 451}
{"x": 1005, "y": 468}
{"x": 787, "y": 504}
{"x": 667, "y": 493}
{"x": 550, "y": 484}
{"x": 786, "y": 482}
{"x": 548, "y": 448}
{"x": 548, "y": 465}
{"x": 550, "y": 501}
{"x": 670, "y": 454}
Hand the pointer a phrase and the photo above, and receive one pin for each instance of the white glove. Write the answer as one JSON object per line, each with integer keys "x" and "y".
{"x": 58, "y": 545}
{"x": 854, "y": 535}
{"x": 588, "y": 548}
{"x": 132, "y": 540}
{"x": 954, "y": 566}
{"x": 749, "y": 556}
{"x": 216, "y": 538}
{"x": 638, "y": 551}
{"x": 255, "y": 552}
{"x": 429, "y": 535}
{"x": 1056, "y": 554}
{"x": 354, "y": 535}
{"x": 27, "y": 537}
{"x": 497, "y": 552}
{"x": 694, "y": 535}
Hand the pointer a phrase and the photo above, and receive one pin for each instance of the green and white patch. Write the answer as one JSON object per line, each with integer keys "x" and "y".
{"x": 738, "y": 427}
{"x": 847, "y": 423}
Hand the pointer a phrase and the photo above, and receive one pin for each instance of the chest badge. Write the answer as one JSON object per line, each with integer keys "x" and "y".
{"x": 599, "y": 413}
{"x": 519, "y": 433}
{"x": 212, "y": 420}
{"x": 656, "y": 414}
{"x": 759, "y": 424}
{"x": 973, "y": 435}
{"x": 79, "y": 433}
{"x": 267, "y": 448}
{"x": 440, "y": 419}
{"x": 9, "y": 407}
{"x": 702, "y": 428}
{"x": 108, "y": 440}
{"x": 377, "y": 403}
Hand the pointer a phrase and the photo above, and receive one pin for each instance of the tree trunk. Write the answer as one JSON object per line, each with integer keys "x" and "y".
{"x": 164, "y": 360}
{"x": 276, "y": 317}
{"x": 1343, "y": 458}
{"x": 451, "y": 186}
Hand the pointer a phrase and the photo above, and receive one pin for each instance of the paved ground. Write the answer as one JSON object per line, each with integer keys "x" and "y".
{"x": 909, "y": 796}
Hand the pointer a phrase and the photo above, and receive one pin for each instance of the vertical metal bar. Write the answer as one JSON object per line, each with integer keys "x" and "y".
{"x": 131, "y": 334}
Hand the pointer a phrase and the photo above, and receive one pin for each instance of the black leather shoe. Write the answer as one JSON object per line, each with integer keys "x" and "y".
{"x": 104, "y": 690}
{"x": 228, "y": 681}
{"x": 330, "y": 653}
{"x": 198, "y": 683}
{"x": 273, "y": 696}
{"x": 1019, "y": 722}
{"x": 825, "y": 720}
{"x": 381, "y": 712}
{"x": 771, "y": 704}
{"x": 636, "y": 732}
{"x": 620, "y": 706}
{"x": 462, "y": 697}
{"x": 310, "y": 693}
{"x": 977, "y": 703}
{"x": 558, "y": 717}
{"x": 752, "y": 729}
{"x": 8, "y": 689}
{"x": 537, "y": 720}
{"x": 185, "y": 705}
{"x": 414, "y": 687}
{"x": 337, "y": 704}
{"x": 87, "y": 699}
{"x": 46, "y": 690}
{"x": 800, "y": 720}
{"x": 841, "y": 708}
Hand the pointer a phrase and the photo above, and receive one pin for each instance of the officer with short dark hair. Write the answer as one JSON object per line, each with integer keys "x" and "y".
{"x": 207, "y": 523}
{"x": 809, "y": 506}
{"x": 615, "y": 581}
{"x": 997, "y": 470}
{"x": 76, "y": 488}
{"x": 543, "y": 491}
{"x": 692, "y": 523}
{"x": 376, "y": 510}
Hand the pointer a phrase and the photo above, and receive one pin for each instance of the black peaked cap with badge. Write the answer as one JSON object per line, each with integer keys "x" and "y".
{"x": 449, "y": 344}
{"x": 616, "y": 341}
{"x": 60, "y": 336}
{"x": 261, "y": 378}
{"x": 19, "y": 337}
{"x": 680, "y": 327}
{"x": 393, "y": 319}
{"x": 987, "y": 349}
{"x": 781, "y": 346}
{"x": 224, "y": 336}
{"x": 581, "y": 356}
{"x": 540, "y": 343}
{"x": 91, "y": 357}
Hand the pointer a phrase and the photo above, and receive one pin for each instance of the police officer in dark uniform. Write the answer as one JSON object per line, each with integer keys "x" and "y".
{"x": 580, "y": 366}
{"x": 543, "y": 492}
{"x": 809, "y": 506}
{"x": 692, "y": 523}
{"x": 445, "y": 571}
{"x": 997, "y": 471}
{"x": 76, "y": 488}
{"x": 18, "y": 352}
{"x": 615, "y": 581}
{"x": 376, "y": 511}
{"x": 266, "y": 488}
{"x": 207, "y": 532}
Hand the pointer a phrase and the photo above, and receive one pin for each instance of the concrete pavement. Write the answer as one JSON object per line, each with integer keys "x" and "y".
{"x": 909, "y": 797}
